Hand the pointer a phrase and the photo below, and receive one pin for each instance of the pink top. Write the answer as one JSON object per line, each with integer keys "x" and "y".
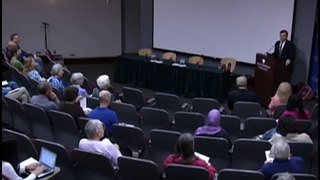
{"x": 172, "y": 159}
{"x": 275, "y": 101}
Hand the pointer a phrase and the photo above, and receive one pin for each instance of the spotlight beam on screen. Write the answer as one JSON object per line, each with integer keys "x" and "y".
{"x": 221, "y": 28}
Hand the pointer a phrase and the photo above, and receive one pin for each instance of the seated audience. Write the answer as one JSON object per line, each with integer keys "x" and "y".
{"x": 96, "y": 143}
{"x": 242, "y": 93}
{"x": 185, "y": 155}
{"x": 281, "y": 96}
{"x": 19, "y": 93}
{"x": 46, "y": 98}
{"x": 212, "y": 127}
{"x": 8, "y": 51}
{"x": 295, "y": 108}
{"x": 10, "y": 167}
{"x": 283, "y": 161}
{"x": 30, "y": 69}
{"x": 71, "y": 103}
{"x": 103, "y": 83}
{"x": 56, "y": 77}
{"x": 287, "y": 130}
{"x": 14, "y": 60}
{"x": 77, "y": 80}
{"x": 103, "y": 113}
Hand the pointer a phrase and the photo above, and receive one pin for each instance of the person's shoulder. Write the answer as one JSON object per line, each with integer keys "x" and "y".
{"x": 296, "y": 159}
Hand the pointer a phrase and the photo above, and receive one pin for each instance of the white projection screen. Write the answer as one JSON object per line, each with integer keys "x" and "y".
{"x": 221, "y": 28}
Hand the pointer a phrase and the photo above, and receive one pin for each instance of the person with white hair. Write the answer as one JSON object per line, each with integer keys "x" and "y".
{"x": 103, "y": 113}
{"x": 98, "y": 144}
{"x": 56, "y": 77}
{"x": 76, "y": 80}
{"x": 283, "y": 161}
{"x": 103, "y": 83}
{"x": 242, "y": 93}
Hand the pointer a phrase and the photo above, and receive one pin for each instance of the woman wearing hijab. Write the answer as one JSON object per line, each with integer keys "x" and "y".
{"x": 212, "y": 127}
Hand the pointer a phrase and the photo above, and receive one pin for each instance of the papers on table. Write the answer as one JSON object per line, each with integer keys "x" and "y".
{"x": 179, "y": 65}
{"x": 4, "y": 83}
{"x": 201, "y": 156}
{"x": 83, "y": 102}
{"x": 156, "y": 61}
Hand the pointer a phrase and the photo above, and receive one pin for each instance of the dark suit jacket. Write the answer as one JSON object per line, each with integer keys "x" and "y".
{"x": 288, "y": 51}
{"x": 241, "y": 95}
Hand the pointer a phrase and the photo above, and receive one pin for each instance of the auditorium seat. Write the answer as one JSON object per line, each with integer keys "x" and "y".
{"x": 185, "y": 172}
{"x": 204, "y": 105}
{"x": 229, "y": 174}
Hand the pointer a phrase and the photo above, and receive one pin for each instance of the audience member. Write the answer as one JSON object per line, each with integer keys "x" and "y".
{"x": 8, "y": 52}
{"x": 287, "y": 130}
{"x": 77, "y": 80}
{"x": 39, "y": 63}
{"x": 10, "y": 166}
{"x": 281, "y": 96}
{"x": 212, "y": 127}
{"x": 71, "y": 104}
{"x": 14, "y": 60}
{"x": 56, "y": 77}
{"x": 283, "y": 161}
{"x": 13, "y": 91}
{"x": 103, "y": 83}
{"x": 185, "y": 155}
{"x": 295, "y": 108}
{"x": 30, "y": 69}
{"x": 96, "y": 143}
{"x": 103, "y": 113}
{"x": 46, "y": 98}
{"x": 241, "y": 94}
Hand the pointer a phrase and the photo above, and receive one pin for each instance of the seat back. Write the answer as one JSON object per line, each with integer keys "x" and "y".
{"x": 133, "y": 96}
{"x": 245, "y": 109}
{"x": 145, "y": 52}
{"x": 188, "y": 121}
{"x": 26, "y": 149}
{"x": 231, "y": 124}
{"x": 216, "y": 148}
{"x": 297, "y": 176}
{"x": 204, "y": 105}
{"x": 22, "y": 80}
{"x": 196, "y": 60}
{"x": 185, "y": 172}
{"x": 7, "y": 117}
{"x": 86, "y": 85}
{"x": 128, "y": 136}
{"x": 41, "y": 125}
{"x": 92, "y": 102}
{"x": 225, "y": 61}
{"x": 58, "y": 93}
{"x": 65, "y": 129}
{"x": 137, "y": 169}
{"x": 244, "y": 159}
{"x": 66, "y": 76}
{"x": 169, "y": 56}
{"x": 20, "y": 119}
{"x": 34, "y": 84}
{"x": 126, "y": 113}
{"x": 229, "y": 173}
{"x": 168, "y": 102}
{"x": 278, "y": 111}
{"x": 162, "y": 143}
{"x": 255, "y": 126}
{"x": 303, "y": 150}
{"x": 314, "y": 113}
{"x": 153, "y": 118}
{"x": 92, "y": 166}
{"x": 64, "y": 160}
{"x": 304, "y": 125}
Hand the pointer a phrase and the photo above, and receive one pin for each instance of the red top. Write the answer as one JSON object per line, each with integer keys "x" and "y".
{"x": 172, "y": 159}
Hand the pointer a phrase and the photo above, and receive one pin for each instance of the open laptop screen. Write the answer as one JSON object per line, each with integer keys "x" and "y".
{"x": 47, "y": 158}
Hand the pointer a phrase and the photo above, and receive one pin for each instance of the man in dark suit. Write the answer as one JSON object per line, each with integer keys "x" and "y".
{"x": 242, "y": 93}
{"x": 285, "y": 50}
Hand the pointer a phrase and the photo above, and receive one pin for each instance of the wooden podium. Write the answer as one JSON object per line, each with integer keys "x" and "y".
{"x": 269, "y": 73}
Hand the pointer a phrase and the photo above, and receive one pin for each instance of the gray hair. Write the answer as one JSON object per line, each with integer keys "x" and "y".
{"x": 241, "y": 81}
{"x": 280, "y": 150}
{"x": 91, "y": 127}
{"x": 105, "y": 96}
{"x": 56, "y": 68}
{"x": 103, "y": 81}
{"x": 285, "y": 176}
{"x": 76, "y": 78}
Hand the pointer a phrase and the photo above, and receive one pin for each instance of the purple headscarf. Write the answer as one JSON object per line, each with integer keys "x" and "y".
{"x": 212, "y": 126}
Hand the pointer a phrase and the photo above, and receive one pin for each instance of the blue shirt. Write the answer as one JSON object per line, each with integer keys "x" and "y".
{"x": 105, "y": 115}
{"x": 34, "y": 74}
{"x": 293, "y": 165}
{"x": 82, "y": 92}
{"x": 56, "y": 82}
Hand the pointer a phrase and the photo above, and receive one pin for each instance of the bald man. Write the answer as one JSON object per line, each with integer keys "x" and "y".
{"x": 103, "y": 113}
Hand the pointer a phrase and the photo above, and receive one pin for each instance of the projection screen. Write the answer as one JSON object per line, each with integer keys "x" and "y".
{"x": 221, "y": 28}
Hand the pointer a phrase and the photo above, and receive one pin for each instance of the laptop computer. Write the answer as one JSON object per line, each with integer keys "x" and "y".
{"x": 47, "y": 159}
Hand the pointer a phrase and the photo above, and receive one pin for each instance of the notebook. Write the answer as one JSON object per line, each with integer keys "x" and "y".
{"x": 47, "y": 159}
